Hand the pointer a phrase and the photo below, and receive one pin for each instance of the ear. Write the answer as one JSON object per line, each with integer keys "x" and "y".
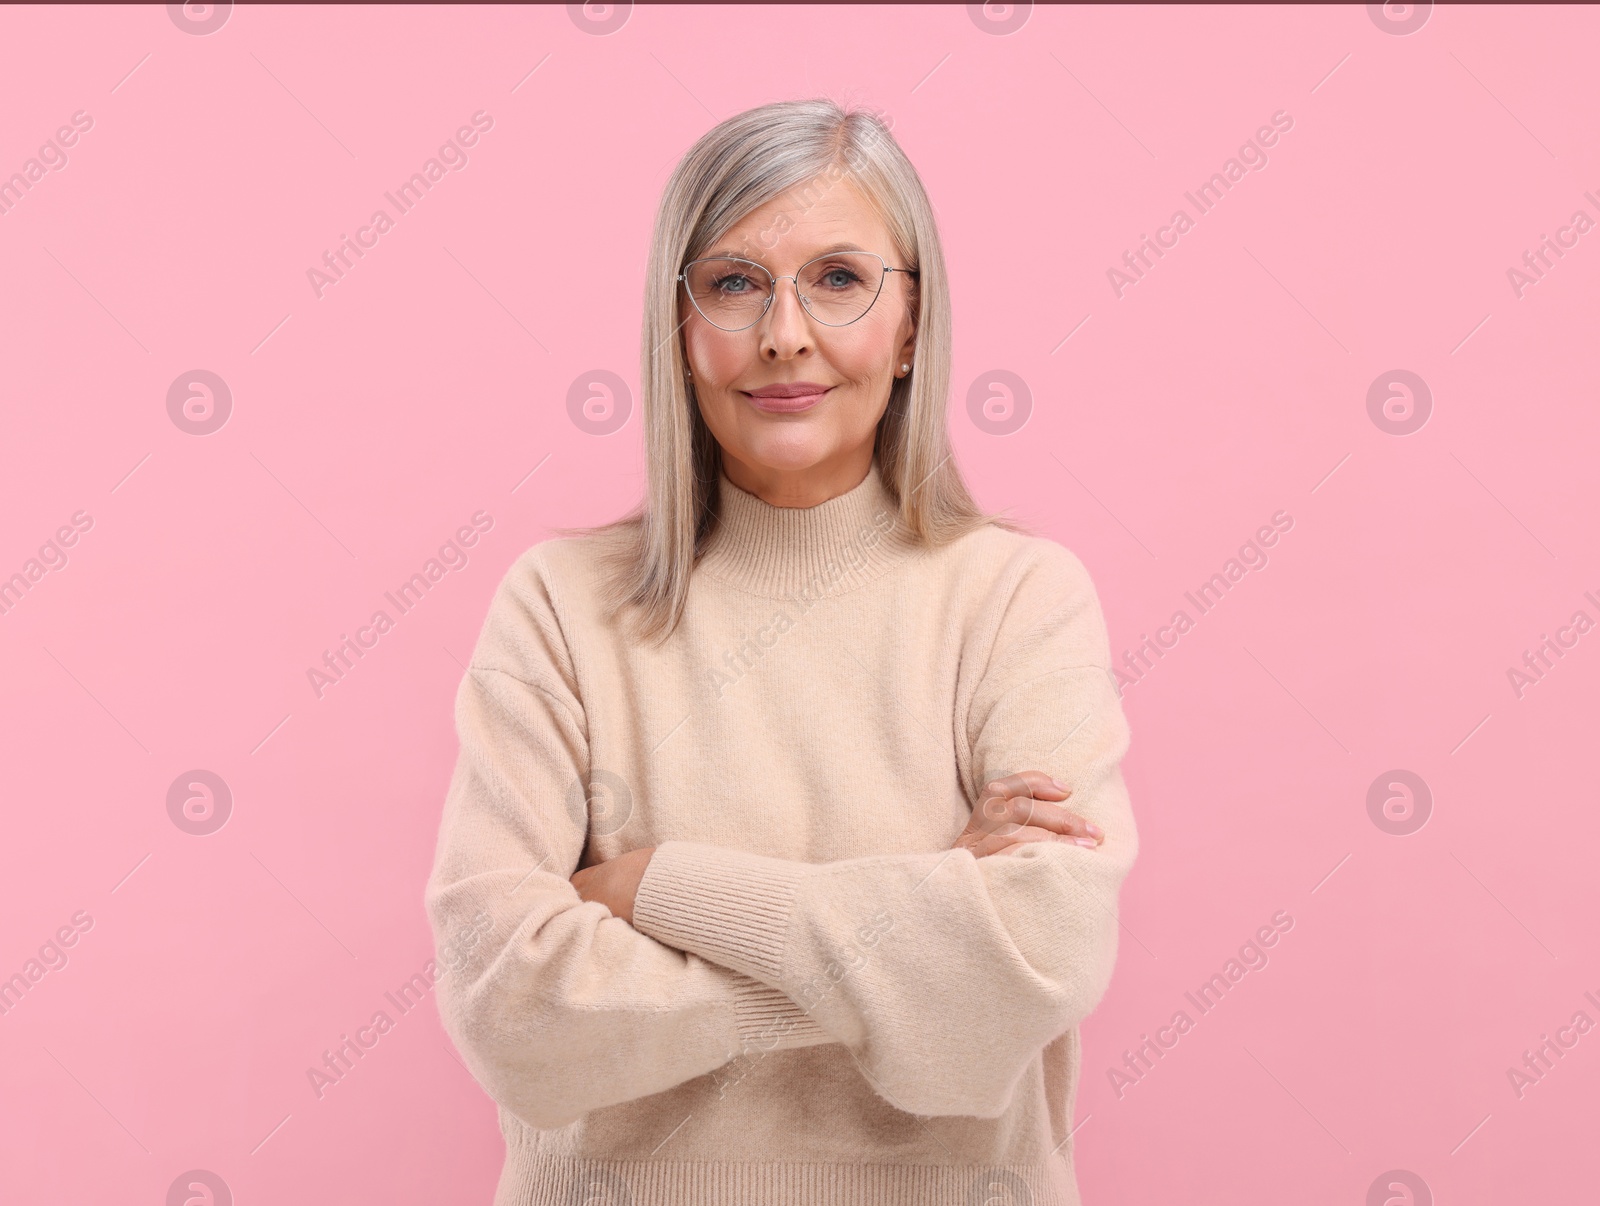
{"x": 914, "y": 313}
{"x": 908, "y": 349}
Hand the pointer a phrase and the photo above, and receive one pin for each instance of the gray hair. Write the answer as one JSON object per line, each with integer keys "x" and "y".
{"x": 736, "y": 167}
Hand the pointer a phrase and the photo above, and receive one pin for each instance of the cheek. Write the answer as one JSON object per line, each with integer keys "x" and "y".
{"x": 863, "y": 353}
{"x": 717, "y": 361}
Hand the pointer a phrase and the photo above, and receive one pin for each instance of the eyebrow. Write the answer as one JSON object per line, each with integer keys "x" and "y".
{"x": 729, "y": 253}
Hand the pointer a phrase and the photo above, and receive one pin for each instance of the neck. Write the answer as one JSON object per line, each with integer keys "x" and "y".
{"x": 806, "y": 487}
{"x": 802, "y": 553}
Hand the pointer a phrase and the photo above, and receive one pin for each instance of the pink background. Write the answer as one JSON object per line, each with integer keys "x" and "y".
{"x": 368, "y": 425}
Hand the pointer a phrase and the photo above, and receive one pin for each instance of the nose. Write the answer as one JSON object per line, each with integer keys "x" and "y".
{"x": 787, "y": 328}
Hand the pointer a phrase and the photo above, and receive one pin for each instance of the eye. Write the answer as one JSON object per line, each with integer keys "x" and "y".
{"x": 731, "y": 282}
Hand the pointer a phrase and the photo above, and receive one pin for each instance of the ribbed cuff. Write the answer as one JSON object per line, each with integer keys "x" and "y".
{"x": 769, "y": 1020}
{"x": 724, "y": 905}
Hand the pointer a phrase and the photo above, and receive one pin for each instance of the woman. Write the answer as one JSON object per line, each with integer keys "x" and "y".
{"x": 799, "y": 730}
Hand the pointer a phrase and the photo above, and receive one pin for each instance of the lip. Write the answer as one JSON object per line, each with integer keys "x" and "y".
{"x": 788, "y": 398}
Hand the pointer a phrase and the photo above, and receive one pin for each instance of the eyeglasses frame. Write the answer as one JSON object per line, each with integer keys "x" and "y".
{"x": 793, "y": 277}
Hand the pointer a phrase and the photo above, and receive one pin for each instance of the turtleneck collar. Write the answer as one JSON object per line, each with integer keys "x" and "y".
{"x": 809, "y": 552}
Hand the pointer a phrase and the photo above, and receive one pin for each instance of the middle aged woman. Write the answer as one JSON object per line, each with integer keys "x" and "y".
{"x": 757, "y": 822}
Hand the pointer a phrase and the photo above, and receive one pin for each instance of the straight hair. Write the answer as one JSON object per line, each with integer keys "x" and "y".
{"x": 735, "y": 168}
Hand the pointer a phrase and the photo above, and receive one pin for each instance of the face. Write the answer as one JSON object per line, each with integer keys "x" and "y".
{"x": 823, "y": 444}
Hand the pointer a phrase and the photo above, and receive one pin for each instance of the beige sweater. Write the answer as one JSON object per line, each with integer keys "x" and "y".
{"x": 819, "y": 1002}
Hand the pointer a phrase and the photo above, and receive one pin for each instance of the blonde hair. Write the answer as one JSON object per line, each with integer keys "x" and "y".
{"x": 737, "y": 167}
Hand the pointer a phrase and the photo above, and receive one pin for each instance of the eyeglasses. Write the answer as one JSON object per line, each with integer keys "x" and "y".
{"x": 836, "y": 289}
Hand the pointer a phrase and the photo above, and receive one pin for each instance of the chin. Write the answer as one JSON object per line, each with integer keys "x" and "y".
{"x": 786, "y": 452}
{"x": 787, "y": 461}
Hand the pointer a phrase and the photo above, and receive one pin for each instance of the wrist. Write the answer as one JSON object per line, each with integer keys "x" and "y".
{"x": 640, "y": 863}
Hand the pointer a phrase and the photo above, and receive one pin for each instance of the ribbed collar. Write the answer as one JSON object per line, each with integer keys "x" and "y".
{"x": 806, "y": 552}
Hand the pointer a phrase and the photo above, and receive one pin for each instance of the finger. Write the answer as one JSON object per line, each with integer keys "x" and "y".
{"x": 1033, "y": 783}
{"x": 995, "y": 843}
{"x": 999, "y": 799}
{"x": 1004, "y": 814}
{"x": 1008, "y": 800}
{"x": 1084, "y": 842}
{"x": 1060, "y": 820}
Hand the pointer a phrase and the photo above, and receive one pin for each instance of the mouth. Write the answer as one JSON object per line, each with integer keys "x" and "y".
{"x": 789, "y": 399}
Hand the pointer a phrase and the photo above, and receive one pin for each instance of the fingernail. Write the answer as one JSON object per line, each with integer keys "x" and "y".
{"x": 1060, "y": 786}
{"x": 1094, "y": 829}
{"x": 1086, "y": 841}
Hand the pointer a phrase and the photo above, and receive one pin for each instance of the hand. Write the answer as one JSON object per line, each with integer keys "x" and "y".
{"x": 615, "y": 882}
{"x": 1016, "y": 810}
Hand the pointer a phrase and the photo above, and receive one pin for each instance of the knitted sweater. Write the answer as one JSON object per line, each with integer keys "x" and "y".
{"x": 818, "y": 1002}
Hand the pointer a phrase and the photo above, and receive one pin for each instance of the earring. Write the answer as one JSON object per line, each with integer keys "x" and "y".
{"x": 905, "y": 368}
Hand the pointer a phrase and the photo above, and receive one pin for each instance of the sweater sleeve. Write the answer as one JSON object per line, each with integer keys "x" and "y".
{"x": 558, "y": 1007}
{"x": 945, "y": 974}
